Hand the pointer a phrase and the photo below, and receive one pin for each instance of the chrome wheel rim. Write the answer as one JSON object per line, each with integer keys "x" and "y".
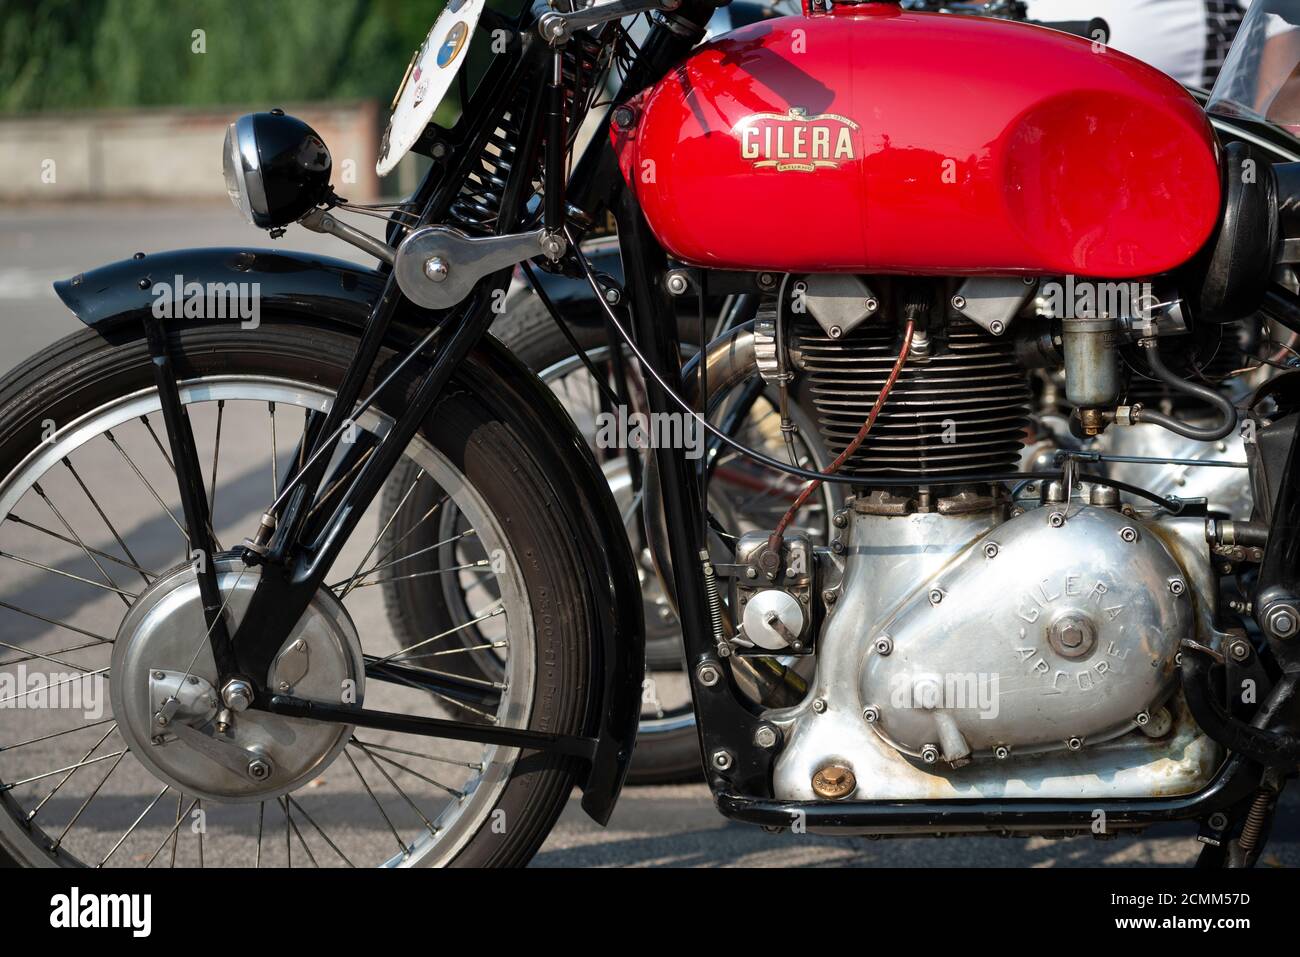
{"x": 421, "y": 834}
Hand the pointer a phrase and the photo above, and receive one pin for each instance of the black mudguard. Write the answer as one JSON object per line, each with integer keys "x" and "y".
{"x": 335, "y": 292}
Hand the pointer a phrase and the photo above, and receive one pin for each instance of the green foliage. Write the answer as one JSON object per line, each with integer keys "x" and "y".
{"x": 90, "y": 54}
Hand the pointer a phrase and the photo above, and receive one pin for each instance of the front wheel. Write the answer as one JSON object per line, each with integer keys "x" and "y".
{"x": 97, "y": 601}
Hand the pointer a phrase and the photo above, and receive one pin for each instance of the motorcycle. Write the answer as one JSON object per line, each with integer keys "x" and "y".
{"x": 928, "y": 226}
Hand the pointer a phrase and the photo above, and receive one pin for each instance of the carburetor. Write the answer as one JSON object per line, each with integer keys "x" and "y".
{"x": 773, "y": 595}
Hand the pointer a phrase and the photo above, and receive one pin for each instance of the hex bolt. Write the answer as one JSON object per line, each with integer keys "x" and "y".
{"x": 751, "y": 572}
{"x": 1001, "y": 752}
{"x": 837, "y": 547}
{"x": 765, "y": 736}
{"x": 611, "y": 296}
{"x": 1074, "y": 744}
{"x": 237, "y": 694}
{"x": 929, "y": 754}
{"x": 677, "y": 283}
{"x": 819, "y": 705}
{"x": 1142, "y": 719}
{"x": 722, "y": 760}
{"x": 1056, "y": 519}
{"x": 871, "y": 714}
{"x": 829, "y": 596}
{"x": 157, "y": 676}
{"x": 1176, "y": 587}
{"x": 259, "y": 769}
{"x": 708, "y": 674}
{"x": 884, "y": 645}
{"x": 991, "y": 550}
{"x": 840, "y": 520}
{"x": 1128, "y": 534}
{"x": 1281, "y": 621}
{"x": 936, "y": 595}
{"x": 1239, "y": 648}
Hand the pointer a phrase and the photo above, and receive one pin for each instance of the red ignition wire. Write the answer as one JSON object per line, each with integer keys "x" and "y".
{"x": 777, "y": 538}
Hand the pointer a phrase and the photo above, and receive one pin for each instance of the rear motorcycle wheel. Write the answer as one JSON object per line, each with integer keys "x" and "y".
{"x": 667, "y": 749}
{"x": 90, "y": 547}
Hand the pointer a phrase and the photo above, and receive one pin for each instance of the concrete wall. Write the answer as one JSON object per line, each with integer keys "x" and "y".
{"x": 168, "y": 153}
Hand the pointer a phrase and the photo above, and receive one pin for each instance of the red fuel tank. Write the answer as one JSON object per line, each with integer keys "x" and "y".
{"x": 876, "y": 140}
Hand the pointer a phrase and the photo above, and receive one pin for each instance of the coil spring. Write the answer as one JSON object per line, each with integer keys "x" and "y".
{"x": 478, "y": 205}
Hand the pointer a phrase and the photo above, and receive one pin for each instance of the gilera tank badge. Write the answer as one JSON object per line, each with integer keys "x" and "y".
{"x": 796, "y": 141}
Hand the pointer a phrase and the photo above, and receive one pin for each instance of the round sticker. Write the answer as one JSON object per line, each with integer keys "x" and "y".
{"x": 451, "y": 46}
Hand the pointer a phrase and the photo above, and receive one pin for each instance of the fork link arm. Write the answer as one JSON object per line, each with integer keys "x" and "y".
{"x": 194, "y": 500}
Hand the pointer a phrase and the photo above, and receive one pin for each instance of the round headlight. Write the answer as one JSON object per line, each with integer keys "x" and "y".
{"x": 276, "y": 168}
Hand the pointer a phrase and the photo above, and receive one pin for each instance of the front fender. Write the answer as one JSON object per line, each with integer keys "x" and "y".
{"x": 335, "y": 292}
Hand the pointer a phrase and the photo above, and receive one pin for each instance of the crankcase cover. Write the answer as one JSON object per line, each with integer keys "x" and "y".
{"x": 1056, "y": 629}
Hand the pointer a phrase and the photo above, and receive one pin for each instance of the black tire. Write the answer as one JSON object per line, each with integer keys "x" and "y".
{"x": 477, "y": 434}
{"x": 528, "y": 330}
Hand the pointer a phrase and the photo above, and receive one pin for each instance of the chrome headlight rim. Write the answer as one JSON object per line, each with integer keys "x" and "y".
{"x": 244, "y": 162}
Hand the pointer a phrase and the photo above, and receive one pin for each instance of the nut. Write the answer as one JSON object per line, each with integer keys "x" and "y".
{"x": 1074, "y": 744}
{"x": 722, "y": 760}
{"x": 871, "y": 714}
{"x": 708, "y": 674}
{"x": 765, "y": 736}
{"x": 819, "y": 705}
{"x": 929, "y": 754}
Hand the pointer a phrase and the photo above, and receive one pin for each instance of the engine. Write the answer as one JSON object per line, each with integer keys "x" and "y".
{"x": 966, "y": 643}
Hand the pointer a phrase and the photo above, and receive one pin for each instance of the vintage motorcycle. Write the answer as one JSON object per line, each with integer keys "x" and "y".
{"x": 927, "y": 227}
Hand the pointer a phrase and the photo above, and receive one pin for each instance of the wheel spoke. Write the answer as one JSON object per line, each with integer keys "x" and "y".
{"x": 382, "y": 813}
{"x": 70, "y": 769}
{"x": 18, "y": 520}
{"x": 60, "y": 624}
{"x": 480, "y": 565}
{"x": 325, "y": 837}
{"x": 375, "y": 544}
{"x": 134, "y": 563}
{"x": 473, "y": 766}
{"x": 261, "y": 814}
{"x": 289, "y": 822}
{"x": 140, "y": 475}
{"x": 174, "y": 829}
{"x": 275, "y": 462}
{"x": 54, "y": 734}
{"x": 61, "y": 573}
{"x": 216, "y": 455}
{"x": 37, "y": 654}
{"x": 398, "y": 655}
{"x": 397, "y": 764}
{"x": 397, "y": 787}
{"x": 86, "y": 803}
{"x": 134, "y": 824}
{"x": 357, "y": 576}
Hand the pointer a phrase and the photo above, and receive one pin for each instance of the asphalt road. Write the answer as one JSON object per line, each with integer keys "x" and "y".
{"x": 672, "y": 826}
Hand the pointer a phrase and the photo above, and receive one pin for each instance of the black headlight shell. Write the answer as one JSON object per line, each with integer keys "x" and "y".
{"x": 276, "y": 168}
